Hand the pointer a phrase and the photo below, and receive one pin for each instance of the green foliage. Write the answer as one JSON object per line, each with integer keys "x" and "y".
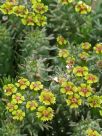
{"x": 35, "y": 55}
{"x": 6, "y": 51}
{"x": 81, "y": 127}
{"x": 9, "y": 128}
{"x": 56, "y": 58}
{"x": 96, "y": 32}
{"x": 62, "y": 19}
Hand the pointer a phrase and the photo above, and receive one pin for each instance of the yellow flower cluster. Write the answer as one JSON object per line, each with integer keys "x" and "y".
{"x": 92, "y": 132}
{"x": 61, "y": 40}
{"x": 47, "y": 97}
{"x": 9, "y": 89}
{"x": 32, "y": 16}
{"x": 22, "y": 83}
{"x": 98, "y": 48}
{"x": 21, "y": 96}
{"x": 82, "y": 8}
{"x": 80, "y": 93}
{"x": 80, "y": 71}
{"x": 45, "y": 113}
{"x": 86, "y": 46}
{"x": 32, "y": 105}
{"x": 75, "y": 93}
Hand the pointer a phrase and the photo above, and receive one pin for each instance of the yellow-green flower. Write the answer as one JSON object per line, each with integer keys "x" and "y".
{"x": 85, "y": 90}
{"x": 64, "y": 2}
{"x": 68, "y": 88}
{"x": 94, "y": 101}
{"x": 91, "y": 132}
{"x": 61, "y": 40}
{"x": 36, "y": 86}
{"x": 63, "y": 53}
{"x": 61, "y": 79}
{"x": 40, "y": 20}
{"x": 40, "y": 8}
{"x": 80, "y": 71}
{"x": 98, "y": 48}
{"x": 74, "y": 101}
{"x": 20, "y": 10}
{"x": 7, "y": 8}
{"x": 45, "y": 113}
{"x": 99, "y": 63}
{"x": 91, "y": 78}
{"x": 9, "y": 89}
{"x": 18, "y": 115}
{"x": 82, "y": 8}
{"x": 47, "y": 97}
{"x": 23, "y": 83}
{"x": 70, "y": 61}
{"x": 11, "y": 106}
{"x": 18, "y": 98}
{"x": 86, "y": 45}
{"x": 32, "y": 105}
{"x": 29, "y": 19}
{"x": 83, "y": 55}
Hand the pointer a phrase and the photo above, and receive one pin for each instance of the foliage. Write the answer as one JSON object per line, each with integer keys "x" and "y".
{"x": 62, "y": 19}
{"x": 53, "y": 51}
{"x": 35, "y": 55}
{"x": 6, "y": 51}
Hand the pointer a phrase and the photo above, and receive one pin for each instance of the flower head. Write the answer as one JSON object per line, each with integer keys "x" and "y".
{"x": 11, "y": 106}
{"x": 36, "y": 86}
{"x": 63, "y": 53}
{"x": 92, "y": 132}
{"x": 94, "y": 101}
{"x": 85, "y": 90}
{"x": 9, "y": 89}
{"x": 68, "y": 88}
{"x": 82, "y": 8}
{"x": 23, "y": 83}
{"x": 32, "y": 105}
{"x": 29, "y": 19}
{"x": 70, "y": 61}
{"x": 20, "y": 10}
{"x": 40, "y": 20}
{"x": 17, "y": 98}
{"x": 18, "y": 115}
{"x": 84, "y": 55}
{"x": 7, "y": 8}
{"x": 40, "y": 8}
{"x": 80, "y": 71}
{"x": 86, "y": 45}
{"x": 99, "y": 64}
{"x": 98, "y": 48}
{"x": 47, "y": 97}
{"x": 91, "y": 78}
{"x": 74, "y": 101}
{"x": 45, "y": 113}
{"x": 61, "y": 40}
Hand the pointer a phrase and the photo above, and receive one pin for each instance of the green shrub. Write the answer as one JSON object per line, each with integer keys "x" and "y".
{"x": 6, "y": 52}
